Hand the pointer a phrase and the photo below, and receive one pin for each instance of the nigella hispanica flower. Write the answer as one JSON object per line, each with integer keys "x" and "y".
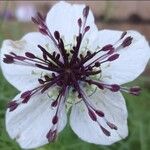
{"x": 70, "y": 64}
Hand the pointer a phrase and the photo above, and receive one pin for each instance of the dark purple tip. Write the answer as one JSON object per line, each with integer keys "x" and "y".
{"x": 86, "y": 11}
{"x": 115, "y": 87}
{"x": 41, "y": 81}
{"x": 113, "y": 57}
{"x": 100, "y": 86}
{"x": 25, "y": 94}
{"x": 99, "y": 113}
{"x": 54, "y": 103}
{"x": 105, "y": 131}
{"x": 30, "y": 55}
{"x": 55, "y": 119}
{"x": 12, "y": 105}
{"x": 97, "y": 64}
{"x": 123, "y": 35}
{"x": 8, "y": 59}
{"x": 87, "y": 28}
{"x": 107, "y": 47}
{"x": 79, "y": 22}
{"x": 57, "y": 35}
{"x": 57, "y": 56}
{"x": 135, "y": 90}
{"x": 112, "y": 126}
{"x": 51, "y": 135}
{"x": 127, "y": 41}
{"x": 92, "y": 115}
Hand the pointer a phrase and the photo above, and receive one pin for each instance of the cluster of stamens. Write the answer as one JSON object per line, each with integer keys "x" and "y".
{"x": 69, "y": 69}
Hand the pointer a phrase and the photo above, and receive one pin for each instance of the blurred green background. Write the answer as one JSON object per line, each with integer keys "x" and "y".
{"x": 138, "y": 106}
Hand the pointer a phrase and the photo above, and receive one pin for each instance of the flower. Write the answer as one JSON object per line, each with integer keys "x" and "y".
{"x": 71, "y": 65}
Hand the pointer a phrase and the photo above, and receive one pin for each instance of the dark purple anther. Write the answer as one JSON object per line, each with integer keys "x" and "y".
{"x": 30, "y": 55}
{"x": 99, "y": 113}
{"x": 79, "y": 22}
{"x": 97, "y": 64}
{"x": 57, "y": 56}
{"x": 51, "y": 135}
{"x": 25, "y": 94}
{"x": 127, "y": 41}
{"x": 86, "y": 11}
{"x": 135, "y": 90}
{"x": 12, "y": 105}
{"x": 54, "y": 103}
{"x": 115, "y": 88}
{"x": 87, "y": 28}
{"x": 113, "y": 57}
{"x": 55, "y": 119}
{"x": 41, "y": 81}
{"x": 92, "y": 114}
{"x": 107, "y": 47}
{"x": 123, "y": 35}
{"x": 105, "y": 131}
{"x": 8, "y": 59}
{"x": 57, "y": 35}
{"x": 111, "y": 125}
{"x": 100, "y": 86}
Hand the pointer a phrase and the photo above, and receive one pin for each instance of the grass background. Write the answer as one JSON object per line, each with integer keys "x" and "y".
{"x": 138, "y": 108}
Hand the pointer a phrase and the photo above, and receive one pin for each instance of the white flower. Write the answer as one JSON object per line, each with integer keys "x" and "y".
{"x": 71, "y": 64}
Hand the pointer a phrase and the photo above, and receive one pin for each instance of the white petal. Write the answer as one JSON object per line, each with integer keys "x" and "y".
{"x": 23, "y": 77}
{"x": 63, "y": 17}
{"x": 30, "y": 123}
{"x": 114, "y": 107}
{"x": 132, "y": 60}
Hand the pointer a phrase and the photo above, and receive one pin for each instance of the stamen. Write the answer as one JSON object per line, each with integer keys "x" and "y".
{"x": 107, "y": 48}
{"x": 12, "y": 105}
{"x": 54, "y": 103}
{"x": 80, "y": 24}
{"x": 123, "y": 35}
{"x": 55, "y": 119}
{"x": 127, "y": 41}
{"x": 111, "y": 125}
{"x": 57, "y": 35}
{"x": 30, "y": 55}
{"x": 105, "y": 131}
{"x": 86, "y": 11}
{"x": 92, "y": 115}
{"x": 99, "y": 113}
{"x": 8, "y": 59}
{"x": 113, "y": 57}
{"x": 51, "y": 135}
